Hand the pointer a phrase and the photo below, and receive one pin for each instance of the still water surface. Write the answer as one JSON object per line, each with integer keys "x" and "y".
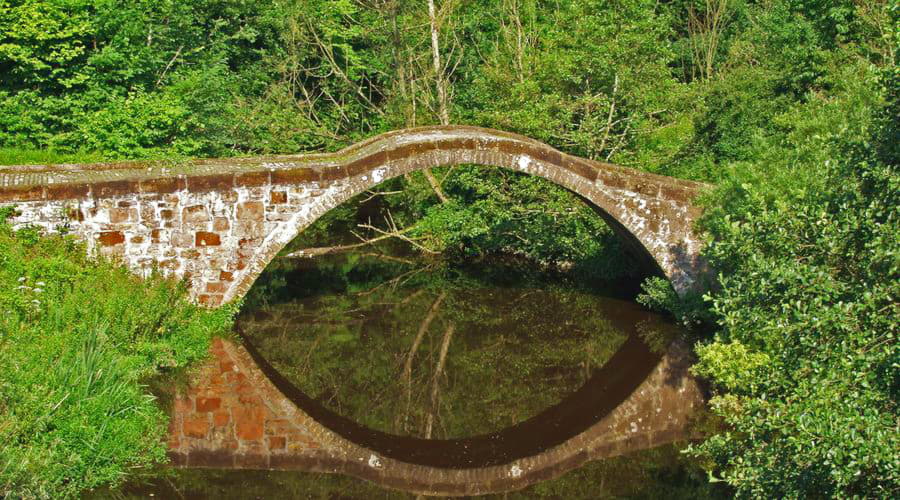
{"x": 437, "y": 351}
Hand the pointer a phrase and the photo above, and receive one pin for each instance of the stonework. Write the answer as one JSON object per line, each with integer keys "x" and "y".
{"x": 218, "y": 223}
{"x": 233, "y": 416}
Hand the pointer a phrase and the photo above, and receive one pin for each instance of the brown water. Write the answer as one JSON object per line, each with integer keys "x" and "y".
{"x": 448, "y": 366}
{"x": 441, "y": 353}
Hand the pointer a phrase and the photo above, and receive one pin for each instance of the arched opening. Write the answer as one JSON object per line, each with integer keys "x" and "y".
{"x": 614, "y": 378}
{"x": 652, "y": 214}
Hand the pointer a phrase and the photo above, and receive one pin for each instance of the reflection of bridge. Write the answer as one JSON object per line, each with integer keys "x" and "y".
{"x": 219, "y": 222}
{"x": 239, "y": 413}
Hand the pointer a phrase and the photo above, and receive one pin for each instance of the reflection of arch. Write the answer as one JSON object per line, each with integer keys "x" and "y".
{"x": 652, "y": 213}
{"x": 610, "y": 385}
{"x": 637, "y": 414}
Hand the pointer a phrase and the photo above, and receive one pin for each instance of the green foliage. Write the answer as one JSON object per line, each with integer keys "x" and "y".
{"x": 78, "y": 340}
{"x": 689, "y": 309}
{"x": 806, "y": 357}
{"x": 506, "y": 212}
{"x": 795, "y": 120}
{"x": 14, "y": 156}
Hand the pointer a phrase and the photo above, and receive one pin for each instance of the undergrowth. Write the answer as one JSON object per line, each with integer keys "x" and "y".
{"x": 79, "y": 338}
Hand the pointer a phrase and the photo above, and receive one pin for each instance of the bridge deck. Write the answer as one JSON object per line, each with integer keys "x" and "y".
{"x": 71, "y": 181}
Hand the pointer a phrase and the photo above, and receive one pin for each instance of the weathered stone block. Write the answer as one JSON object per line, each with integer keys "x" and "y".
{"x": 195, "y": 214}
{"x": 119, "y": 215}
{"x": 208, "y": 404}
{"x": 278, "y": 197}
{"x": 110, "y": 238}
{"x": 182, "y": 239}
{"x": 207, "y": 239}
{"x": 250, "y": 211}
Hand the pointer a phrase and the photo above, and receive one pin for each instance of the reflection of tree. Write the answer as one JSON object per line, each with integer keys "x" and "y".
{"x": 439, "y": 353}
{"x": 407, "y": 366}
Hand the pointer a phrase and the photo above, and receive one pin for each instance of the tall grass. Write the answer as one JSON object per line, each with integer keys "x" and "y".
{"x": 77, "y": 339}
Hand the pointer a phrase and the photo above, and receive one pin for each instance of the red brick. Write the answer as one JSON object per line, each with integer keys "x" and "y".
{"x": 208, "y": 404}
{"x": 210, "y": 300}
{"x": 216, "y": 287}
{"x": 110, "y": 238}
{"x": 276, "y": 442}
{"x": 195, "y": 426}
{"x": 249, "y": 422}
{"x": 226, "y": 276}
{"x": 226, "y": 365}
{"x": 220, "y": 418}
{"x": 207, "y": 239}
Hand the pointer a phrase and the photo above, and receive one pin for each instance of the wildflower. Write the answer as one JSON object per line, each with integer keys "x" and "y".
{"x": 22, "y": 279}
{"x": 37, "y": 290}
{"x": 23, "y": 287}
{"x": 36, "y": 302}
{"x": 40, "y": 283}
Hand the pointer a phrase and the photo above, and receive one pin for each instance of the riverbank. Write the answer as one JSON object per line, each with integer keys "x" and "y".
{"x": 79, "y": 340}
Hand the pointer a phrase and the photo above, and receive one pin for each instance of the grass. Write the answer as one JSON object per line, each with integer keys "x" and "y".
{"x": 16, "y": 156}
{"x": 79, "y": 339}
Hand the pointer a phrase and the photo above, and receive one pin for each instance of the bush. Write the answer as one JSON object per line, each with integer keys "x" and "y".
{"x": 78, "y": 340}
{"x": 804, "y": 365}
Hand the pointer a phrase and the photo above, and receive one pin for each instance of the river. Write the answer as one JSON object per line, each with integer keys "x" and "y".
{"x": 476, "y": 354}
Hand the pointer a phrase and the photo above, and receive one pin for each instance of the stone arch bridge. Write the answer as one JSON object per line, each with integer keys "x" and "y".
{"x": 219, "y": 222}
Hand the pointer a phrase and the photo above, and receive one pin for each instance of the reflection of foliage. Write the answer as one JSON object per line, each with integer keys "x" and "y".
{"x": 519, "y": 346}
{"x": 657, "y": 334}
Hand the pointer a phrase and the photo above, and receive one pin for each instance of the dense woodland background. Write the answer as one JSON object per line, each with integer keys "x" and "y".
{"x": 789, "y": 107}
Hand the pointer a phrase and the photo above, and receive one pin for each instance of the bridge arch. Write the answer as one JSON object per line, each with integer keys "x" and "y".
{"x": 651, "y": 213}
